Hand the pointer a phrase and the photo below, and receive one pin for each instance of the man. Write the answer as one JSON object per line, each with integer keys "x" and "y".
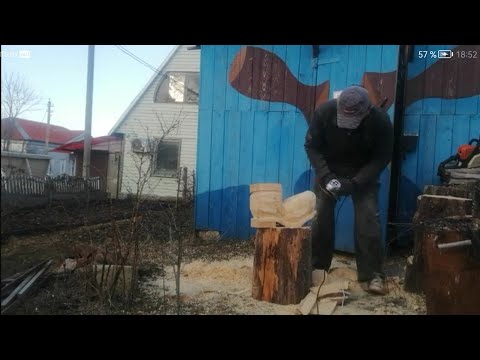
{"x": 349, "y": 143}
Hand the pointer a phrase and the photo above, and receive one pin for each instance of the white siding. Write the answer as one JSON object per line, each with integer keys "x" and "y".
{"x": 142, "y": 122}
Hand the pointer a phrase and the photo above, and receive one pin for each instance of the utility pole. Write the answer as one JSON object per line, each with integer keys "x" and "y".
{"x": 88, "y": 113}
{"x": 47, "y": 135}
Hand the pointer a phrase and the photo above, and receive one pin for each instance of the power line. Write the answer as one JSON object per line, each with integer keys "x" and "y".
{"x": 143, "y": 62}
{"x": 45, "y": 113}
{"x": 135, "y": 57}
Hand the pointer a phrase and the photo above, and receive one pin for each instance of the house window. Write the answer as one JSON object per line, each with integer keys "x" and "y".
{"x": 178, "y": 88}
{"x": 167, "y": 158}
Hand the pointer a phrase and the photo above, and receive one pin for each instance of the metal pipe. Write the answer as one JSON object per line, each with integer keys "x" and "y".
{"x": 455, "y": 244}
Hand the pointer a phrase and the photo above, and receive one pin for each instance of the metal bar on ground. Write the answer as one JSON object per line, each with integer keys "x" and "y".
{"x": 26, "y": 287}
{"x": 455, "y": 244}
{"x": 17, "y": 277}
{"x": 17, "y": 290}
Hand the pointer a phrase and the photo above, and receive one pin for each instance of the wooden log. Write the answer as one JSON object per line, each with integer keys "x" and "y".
{"x": 282, "y": 271}
{"x": 414, "y": 272}
{"x": 452, "y": 275}
{"x": 473, "y": 189}
{"x": 445, "y": 191}
{"x": 417, "y": 268}
{"x": 433, "y": 211}
{"x": 437, "y": 207}
{"x": 475, "y": 170}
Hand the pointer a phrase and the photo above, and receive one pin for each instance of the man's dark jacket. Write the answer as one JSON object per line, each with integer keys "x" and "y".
{"x": 360, "y": 154}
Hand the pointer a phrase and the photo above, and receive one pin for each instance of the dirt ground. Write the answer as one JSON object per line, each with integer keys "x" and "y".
{"x": 224, "y": 287}
{"x": 215, "y": 275}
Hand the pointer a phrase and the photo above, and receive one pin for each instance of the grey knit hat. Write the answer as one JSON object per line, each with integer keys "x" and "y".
{"x": 353, "y": 105}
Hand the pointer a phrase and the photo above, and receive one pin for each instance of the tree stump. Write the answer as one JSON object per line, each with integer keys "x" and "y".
{"x": 282, "y": 270}
{"x": 431, "y": 207}
{"x": 452, "y": 275}
{"x": 439, "y": 211}
{"x": 445, "y": 191}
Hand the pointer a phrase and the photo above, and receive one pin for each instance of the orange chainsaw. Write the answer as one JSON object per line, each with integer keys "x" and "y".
{"x": 467, "y": 156}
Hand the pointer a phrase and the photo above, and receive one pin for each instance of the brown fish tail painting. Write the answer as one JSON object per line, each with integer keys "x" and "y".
{"x": 381, "y": 87}
{"x": 428, "y": 84}
{"x": 262, "y": 75}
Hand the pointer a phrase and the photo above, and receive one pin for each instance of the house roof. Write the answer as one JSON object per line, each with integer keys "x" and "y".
{"x": 144, "y": 90}
{"x": 23, "y": 129}
{"x": 78, "y": 145}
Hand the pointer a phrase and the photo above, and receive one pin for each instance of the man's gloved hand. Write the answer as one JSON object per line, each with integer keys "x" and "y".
{"x": 347, "y": 187}
{"x": 340, "y": 187}
{"x": 326, "y": 179}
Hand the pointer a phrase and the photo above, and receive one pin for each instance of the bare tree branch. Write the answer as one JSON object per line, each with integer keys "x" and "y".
{"x": 17, "y": 98}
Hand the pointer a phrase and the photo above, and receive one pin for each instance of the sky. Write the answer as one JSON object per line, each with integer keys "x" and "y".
{"x": 59, "y": 73}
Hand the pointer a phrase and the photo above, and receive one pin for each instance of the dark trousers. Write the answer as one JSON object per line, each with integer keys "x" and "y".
{"x": 369, "y": 250}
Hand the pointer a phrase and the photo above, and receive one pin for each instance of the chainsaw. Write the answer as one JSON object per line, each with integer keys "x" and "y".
{"x": 467, "y": 157}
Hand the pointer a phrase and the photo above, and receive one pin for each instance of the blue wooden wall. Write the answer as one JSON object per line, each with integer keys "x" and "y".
{"x": 441, "y": 125}
{"x": 242, "y": 140}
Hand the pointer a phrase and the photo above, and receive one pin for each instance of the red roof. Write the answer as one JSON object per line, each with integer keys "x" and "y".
{"x": 78, "y": 145}
{"x": 37, "y": 131}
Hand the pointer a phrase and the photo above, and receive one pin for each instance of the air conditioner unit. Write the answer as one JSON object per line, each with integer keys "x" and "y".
{"x": 138, "y": 145}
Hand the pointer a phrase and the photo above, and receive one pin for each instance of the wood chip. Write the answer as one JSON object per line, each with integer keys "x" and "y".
{"x": 307, "y": 303}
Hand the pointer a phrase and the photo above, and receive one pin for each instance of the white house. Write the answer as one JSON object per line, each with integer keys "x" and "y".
{"x": 169, "y": 97}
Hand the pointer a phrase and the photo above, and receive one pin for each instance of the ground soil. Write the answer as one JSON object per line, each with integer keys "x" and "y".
{"x": 215, "y": 274}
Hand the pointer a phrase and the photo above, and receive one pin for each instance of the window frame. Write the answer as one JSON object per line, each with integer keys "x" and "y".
{"x": 164, "y": 172}
{"x": 166, "y": 77}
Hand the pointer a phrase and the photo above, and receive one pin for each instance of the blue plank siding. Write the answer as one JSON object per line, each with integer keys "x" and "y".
{"x": 426, "y": 160}
{"x": 443, "y": 125}
{"x": 220, "y": 77}
{"x": 232, "y": 96}
{"x": 207, "y": 67}
{"x": 216, "y": 170}
{"x": 287, "y": 153}
{"x": 434, "y": 105}
{"x": 259, "y": 141}
{"x": 230, "y": 173}
{"x": 245, "y": 140}
{"x": 281, "y": 52}
{"x": 461, "y": 131}
{"x": 272, "y": 162}
{"x": 443, "y": 142}
{"x": 475, "y": 126}
{"x": 408, "y": 190}
{"x": 293, "y": 63}
{"x": 415, "y": 68}
{"x": 245, "y": 174}
{"x": 202, "y": 183}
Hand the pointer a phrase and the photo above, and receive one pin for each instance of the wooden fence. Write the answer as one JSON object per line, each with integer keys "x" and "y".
{"x": 23, "y": 190}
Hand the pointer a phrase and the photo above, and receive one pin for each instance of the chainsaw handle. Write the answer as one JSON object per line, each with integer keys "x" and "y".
{"x": 477, "y": 141}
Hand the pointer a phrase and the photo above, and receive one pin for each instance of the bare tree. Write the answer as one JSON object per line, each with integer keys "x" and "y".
{"x": 17, "y": 98}
{"x": 126, "y": 244}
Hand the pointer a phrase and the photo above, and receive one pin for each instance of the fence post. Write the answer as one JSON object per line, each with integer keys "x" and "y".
{"x": 48, "y": 189}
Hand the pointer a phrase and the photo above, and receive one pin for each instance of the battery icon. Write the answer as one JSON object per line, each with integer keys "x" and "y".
{"x": 445, "y": 54}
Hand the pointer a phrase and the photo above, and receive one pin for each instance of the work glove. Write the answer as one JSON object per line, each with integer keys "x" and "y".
{"x": 340, "y": 187}
{"x": 347, "y": 188}
{"x": 323, "y": 181}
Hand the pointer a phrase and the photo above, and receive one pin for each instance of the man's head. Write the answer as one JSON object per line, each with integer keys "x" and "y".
{"x": 353, "y": 105}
